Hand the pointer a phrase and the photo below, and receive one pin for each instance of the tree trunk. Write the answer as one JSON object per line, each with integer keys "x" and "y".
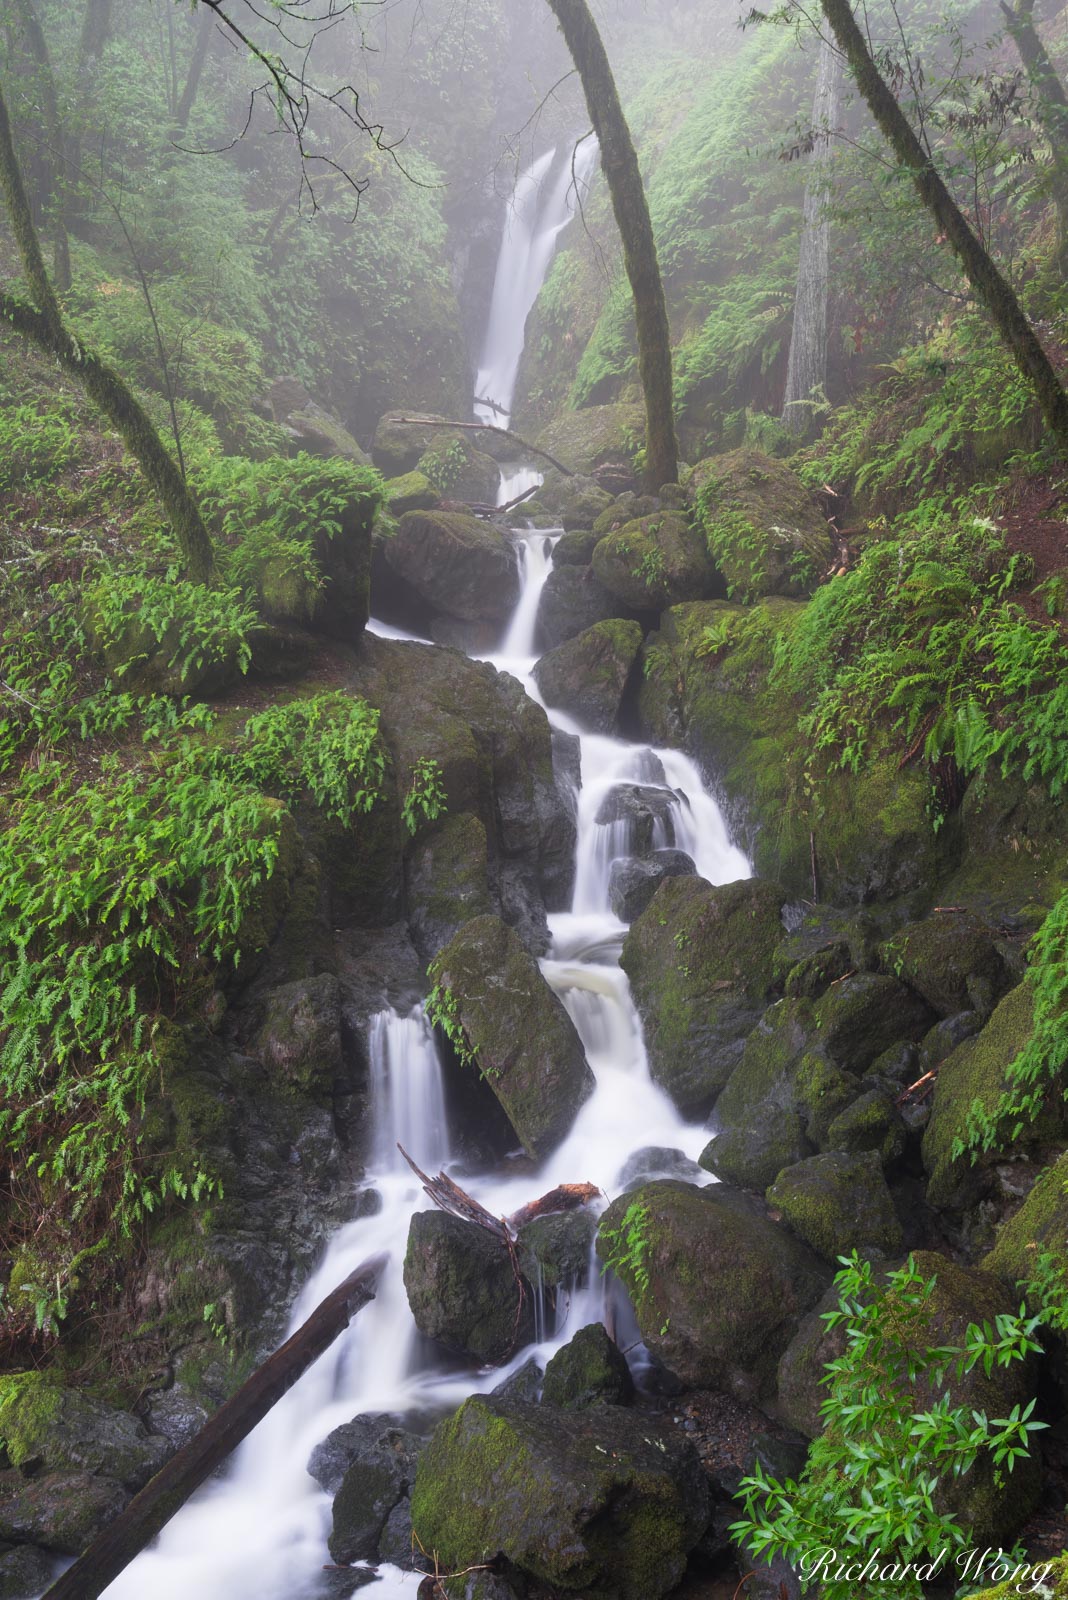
{"x": 112, "y": 1551}
{"x": 620, "y": 165}
{"x": 990, "y": 287}
{"x": 54, "y": 167}
{"x": 806, "y": 370}
{"x": 196, "y": 68}
{"x": 1051, "y": 108}
{"x": 43, "y": 324}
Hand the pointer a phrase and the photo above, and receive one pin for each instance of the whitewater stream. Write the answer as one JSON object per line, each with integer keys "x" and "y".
{"x": 259, "y": 1532}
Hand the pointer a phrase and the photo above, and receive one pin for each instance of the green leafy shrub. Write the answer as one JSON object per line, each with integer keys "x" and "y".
{"x": 328, "y": 745}
{"x": 134, "y": 613}
{"x": 36, "y": 445}
{"x": 426, "y": 797}
{"x": 871, "y": 1477}
{"x": 443, "y": 1010}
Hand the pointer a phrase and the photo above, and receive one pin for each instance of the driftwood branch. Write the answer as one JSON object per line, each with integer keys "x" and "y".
{"x": 509, "y": 505}
{"x": 113, "y": 1550}
{"x": 448, "y": 1196}
{"x": 484, "y": 427}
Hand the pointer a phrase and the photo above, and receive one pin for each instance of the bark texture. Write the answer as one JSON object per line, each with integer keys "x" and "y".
{"x": 988, "y": 283}
{"x": 619, "y": 162}
{"x": 1051, "y": 108}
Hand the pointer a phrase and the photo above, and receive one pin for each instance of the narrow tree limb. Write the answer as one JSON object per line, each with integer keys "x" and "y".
{"x": 113, "y": 1550}
{"x": 565, "y": 1197}
{"x": 484, "y": 427}
{"x": 448, "y": 1196}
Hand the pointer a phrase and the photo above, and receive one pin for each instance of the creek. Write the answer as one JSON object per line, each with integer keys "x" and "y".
{"x": 259, "y": 1532}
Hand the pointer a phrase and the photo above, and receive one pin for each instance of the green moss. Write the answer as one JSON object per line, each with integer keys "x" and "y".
{"x": 412, "y": 491}
{"x": 30, "y": 1404}
{"x": 1051, "y": 1577}
{"x": 764, "y": 531}
{"x": 1038, "y": 1228}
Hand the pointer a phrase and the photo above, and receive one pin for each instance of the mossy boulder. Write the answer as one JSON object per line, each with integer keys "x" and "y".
{"x": 457, "y": 467}
{"x": 412, "y": 491}
{"x": 975, "y": 1076}
{"x": 361, "y": 1509}
{"x": 1008, "y": 1578}
{"x": 523, "y": 1040}
{"x": 396, "y": 447}
{"x": 447, "y": 881}
{"x": 590, "y": 1369}
{"x": 952, "y": 960}
{"x": 377, "y": 1460}
{"x": 858, "y": 1019}
{"x": 300, "y": 1036}
{"x": 458, "y": 564}
{"x": 366, "y": 1440}
{"x": 571, "y": 601}
{"x": 717, "y": 1287}
{"x": 462, "y": 1289}
{"x": 700, "y": 963}
{"x": 25, "y": 1572}
{"x": 576, "y": 549}
{"x": 50, "y": 1427}
{"x": 799, "y": 1386}
{"x": 587, "y": 676}
{"x": 838, "y": 1203}
{"x": 555, "y": 1251}
{"x": 575, "y": 501}
{"x": 760, "y": 1117}
{"x": 707, "y": 685}
{"x": 584, "y": 439}
{"x": 62, "y": 1511}
{"x": 1039, "y": 1227}
{"x": 634, "y": 882}
{"x": 599, "y": 1503}
{"x": 765, "y": 532}
{"x": 655, "y": 562}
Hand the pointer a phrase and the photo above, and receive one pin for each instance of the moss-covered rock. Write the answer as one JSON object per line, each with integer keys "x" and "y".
{"x": 765, "y": 532}
{"x": 63, "y": 1511}
{"x": 571, "y": 601}
{"x": 587, "y": 676}
{"x": 47, "y": 1426}
{"x": 584, "y": 439}
{"x": 1038, "y": 1228}
{"x": 523, "y": 1040}
{"x": 589, "y": 1369}
{"x": 396, "y": 447}
{"x": 598, "y": 1503}
{"x": 575, "y": 501}
{"x": 634, "y": 882}
{"x": 412, "y": 491}
{"x": 838, "y": 1203}
{"x": 858, "y": 1019}
{"x": 447, "y": 881}
{"x": 951, "y": 959}
{"x": 361, "y": 1508}
{"x": 457, "y": 467}
{"x": 459, "y": 565}
{"x": 555, "y": 1251}
{"x": 799, "y": 1385}
{"x": 462, "y": 1289}
{"x": 870, "y": 1122}
{"x": 655, "y": 562}
{"x": 300, "y": 1038}
{"x": 1008, "y": 1578}
{"x": 25, "y": 1572}
{"x": 700, "y": 963}
{"x": 974, "y": 1075}
{"x": 576, "y": 549}
{"x": 669, "y": 1242}
{"x": 759, "y": 1120}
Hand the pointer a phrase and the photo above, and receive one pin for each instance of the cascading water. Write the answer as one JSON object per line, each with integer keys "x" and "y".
{"x": 259, "y": 1533}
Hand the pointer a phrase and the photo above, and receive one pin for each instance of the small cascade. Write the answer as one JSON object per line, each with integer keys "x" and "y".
{"x": 535, "y": 563}
{"x": 407, "y": 1098}
{"x": 536, "y": 213}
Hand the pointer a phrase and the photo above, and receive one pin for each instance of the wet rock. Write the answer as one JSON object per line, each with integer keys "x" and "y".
{"x": 462, "y": 1288}
{"x": 870, "y": 1122}
{"x": 63, "y": 1511}
{"x": 765, "y": 531}
{"x": 25, "y": 1572}
{"x": 459, "y": 565}
{"x": 524, "y": 1042}
{"x": 764, "y": 1278}
{"x": 368, "y": 1440}
{"x": 837, "y": 1204}
{"x": 571, "y": 601}
{"x": 338, "y": 1583}
{"x": 633, "y": 883}
{"x": 648, "y": 813}
{"x": 654, "y": 1161}
{"x": 1039, "y": 1227}
{"x": 412, "y": 491}
{"x": 951, "y": 959}
{"x": 588, "y": 1370}
{"x": 447, "y": 880}
{"x": 524, "y": 1384}
{"x": 458, "y": 468}
{"x": 575, "y": 501}
{"x": 655, "y": 562}
{"x": 300, "y": 1038}
{"x": 310, "y": 426}
{"x": 556, "y": 1250}
{"x": 858, "y": 1019}
{"x": 586, "y": 676}
{"x": 47, "y": 1426}
{"x": 597, "y": 1501}
{"x": 567, "y": 765}
{"x": 700, "y": 964}
{"x": 584, "y": 439}
{"x": 575, "y": 549}
{"x": 396, "y": 448}
{"x": 177, "y": 1415}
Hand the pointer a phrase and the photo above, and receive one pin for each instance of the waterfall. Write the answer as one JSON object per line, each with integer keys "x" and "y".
{"x": 806, "y": 374}
{"x": 535, "y": 214}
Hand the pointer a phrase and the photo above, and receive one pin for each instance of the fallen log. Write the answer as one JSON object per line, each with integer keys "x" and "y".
{"x": 480, "y": 510}
{"x": 565, "y": 1197}
{"x": 448, "y": 1196}
{"x": 483, "y": 427}
{"x": 112, "y": 1551}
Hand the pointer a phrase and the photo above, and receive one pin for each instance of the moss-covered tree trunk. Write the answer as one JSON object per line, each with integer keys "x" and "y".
{"x": 989, "y": 285}
{"x": 1051, "y": 109}
{"x": 620, "y": 164}
{"x": 43, "y": 324}
{"x": 54, "y": 166}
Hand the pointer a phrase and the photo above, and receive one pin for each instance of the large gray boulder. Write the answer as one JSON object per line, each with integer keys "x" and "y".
{"x": 571, "y": 601}
{"x": 458, "y": 564}
{"x": 463, "y": 1290}
{"x": 587, "y": 676}
{"x": 523, "y": 1041}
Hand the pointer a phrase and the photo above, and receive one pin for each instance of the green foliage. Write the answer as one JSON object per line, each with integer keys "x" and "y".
{"x": 37, "y": 444}
{"x": 115, "y": 892}
{"x": 444, "y": 464}
{"x": 872, "y": 1475}
{"x": 426, "y": 798}
{"x": 629, "y": 1249}
{"x": 135, "y": 614}
{"x": 733, "y": 542}
{"x": 328, "y": 745}
{"x": 443, "y": 1010}
{"x": 1041, "y": 1063}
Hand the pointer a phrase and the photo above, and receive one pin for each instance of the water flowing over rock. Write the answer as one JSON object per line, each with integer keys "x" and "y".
{"x": 598, "y": 1502}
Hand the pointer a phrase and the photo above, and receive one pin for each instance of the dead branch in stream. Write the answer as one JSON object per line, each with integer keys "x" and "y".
{"x": 112, "y": 1551}
{"x": 448, "y": 1196}
{"x": 483, "y": 427}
